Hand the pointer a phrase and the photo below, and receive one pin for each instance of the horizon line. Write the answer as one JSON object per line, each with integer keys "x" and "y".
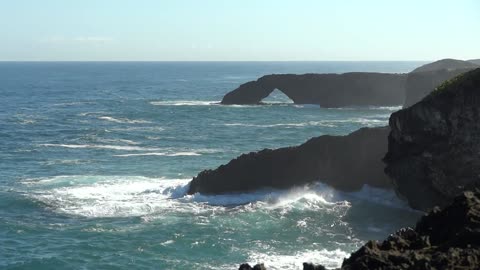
{"x": 218, "y": 61}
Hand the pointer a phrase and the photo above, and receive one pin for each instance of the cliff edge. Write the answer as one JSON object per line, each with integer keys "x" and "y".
{"x": 434, "y": 145}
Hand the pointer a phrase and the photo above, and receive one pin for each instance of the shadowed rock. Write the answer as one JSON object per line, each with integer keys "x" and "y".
{"x": 434, "y": 145}
{"x": 326, "y": 90}
{"x": 344, "y": 162}
{"x": 443, "y": 239}
{"x": 423, "y": 80}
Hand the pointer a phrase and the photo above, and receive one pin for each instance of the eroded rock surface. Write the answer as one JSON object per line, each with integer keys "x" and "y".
{"x": 434, "y": 145}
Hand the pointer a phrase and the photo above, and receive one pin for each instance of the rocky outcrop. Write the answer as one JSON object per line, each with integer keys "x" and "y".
{"x": 326, "y": 90}
{"x": 443, "y": 239}
{"x": 475, "y": 61}
{"x": 446, "y": 64}
{"x": 423, "y": 80}
{"x": 434, "y": 145}
{"x": 344, "y": 162}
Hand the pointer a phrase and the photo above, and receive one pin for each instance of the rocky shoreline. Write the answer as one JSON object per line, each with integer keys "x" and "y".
{"x": 432, "y": 158}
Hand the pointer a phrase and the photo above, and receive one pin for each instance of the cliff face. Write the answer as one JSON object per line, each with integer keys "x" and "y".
{"x": 344, "y": 162}
{"x": 434, "y": 145}
{"x": 423, "y": 80}
{"x": 327, "y": 90}
{"x": 443, "y": 239}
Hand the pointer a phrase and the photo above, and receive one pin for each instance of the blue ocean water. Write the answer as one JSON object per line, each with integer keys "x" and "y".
{"x": 95, "y": 158}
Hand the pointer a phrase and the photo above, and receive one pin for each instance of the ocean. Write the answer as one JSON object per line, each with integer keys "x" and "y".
{"x": 95, "y": 159}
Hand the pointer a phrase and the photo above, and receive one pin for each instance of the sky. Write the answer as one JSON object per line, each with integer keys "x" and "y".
{"x": 238, "y": 30}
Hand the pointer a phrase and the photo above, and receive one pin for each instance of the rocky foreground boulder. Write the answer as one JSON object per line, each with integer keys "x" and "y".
{"x": 434, "y": 145}
{"x": 343, "y": 162}
{"x": 444, "y": 239}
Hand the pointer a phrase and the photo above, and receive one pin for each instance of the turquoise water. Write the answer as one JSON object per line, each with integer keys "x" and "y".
{"x": 96, "y": 157}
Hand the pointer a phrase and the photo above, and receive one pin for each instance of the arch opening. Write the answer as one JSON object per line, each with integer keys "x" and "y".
{"x": 277, "y": 97}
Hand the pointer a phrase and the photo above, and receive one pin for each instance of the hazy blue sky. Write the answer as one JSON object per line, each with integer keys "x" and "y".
{"x": 239, "y": 30}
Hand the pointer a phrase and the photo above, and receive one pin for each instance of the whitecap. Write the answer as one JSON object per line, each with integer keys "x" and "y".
{"x": 110, "y": 196}
{"x": 275, "y": 261}
{"x": 101, "y": 146}
{"x": 184, "y": 103}
{"x": 122, "y": 120}
{"x": 160, "y": 154}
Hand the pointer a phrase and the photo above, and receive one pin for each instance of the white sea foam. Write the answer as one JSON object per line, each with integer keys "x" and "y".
{"x": 101, "y": 146}
{"x": 367, "y": 121}
{"x": 184, "y": 103}
{"x": 160, "y": 154}
{"x": 328, "y": 258}
{"x": 120, "y": 196}
{"x": 383, "y": 108}
{"x": 123, "y": 120}
{"x": 111, "y": 196}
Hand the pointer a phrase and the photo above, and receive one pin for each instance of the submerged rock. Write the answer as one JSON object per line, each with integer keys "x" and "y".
{"x": 326, "y": 90}
{"x": 443, "y": 239}
{"x": 343, "y": 162}
{"x": 434, "y": 145}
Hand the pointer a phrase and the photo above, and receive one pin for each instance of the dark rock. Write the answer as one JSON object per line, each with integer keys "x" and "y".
{"x": 434, "y": 145}
{"x": 311, "y": 266}
{"x": 475, "y": 61}
{"x": 446, "y": 64}
{"x": 443, "y": 239}
{"x": 259, "y": 266}
{"x": 246, "y": 266}
{"x": 423, "y": 80}
{"x": 326, "y": 90}
{"x": 344, "y": 162}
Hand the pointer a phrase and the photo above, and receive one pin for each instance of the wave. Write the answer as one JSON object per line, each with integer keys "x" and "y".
{"x": 99, "y": 146}
{"x": 331, "y": 259}
{"x": 124, "y": 196}
{"x": 184, "y": 103}
{"x": 367, "y": 121}
{"x": 123, "y": 120}
{"x": 109, "y": 196}
{"x": 73, "y": 103}
{"x": 161, "y": 154}
{"x": 382, "y": 108}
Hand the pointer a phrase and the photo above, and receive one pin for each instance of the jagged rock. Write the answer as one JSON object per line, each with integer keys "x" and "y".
{"x": 246, "y": 266}
{"x": 423, "y": 80}
{"x": 344, "y": 162}
{"x": 434, "y": 145}
{"x": 327, "y": 90}
{"x": 443, "y": 239}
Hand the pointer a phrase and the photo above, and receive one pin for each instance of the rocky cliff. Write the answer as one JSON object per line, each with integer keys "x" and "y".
{"x": 344, "y": 162}
{"x": 326, "y": 90}
{"x": 423, "y": 80}
{"x": 434, "y": 145}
